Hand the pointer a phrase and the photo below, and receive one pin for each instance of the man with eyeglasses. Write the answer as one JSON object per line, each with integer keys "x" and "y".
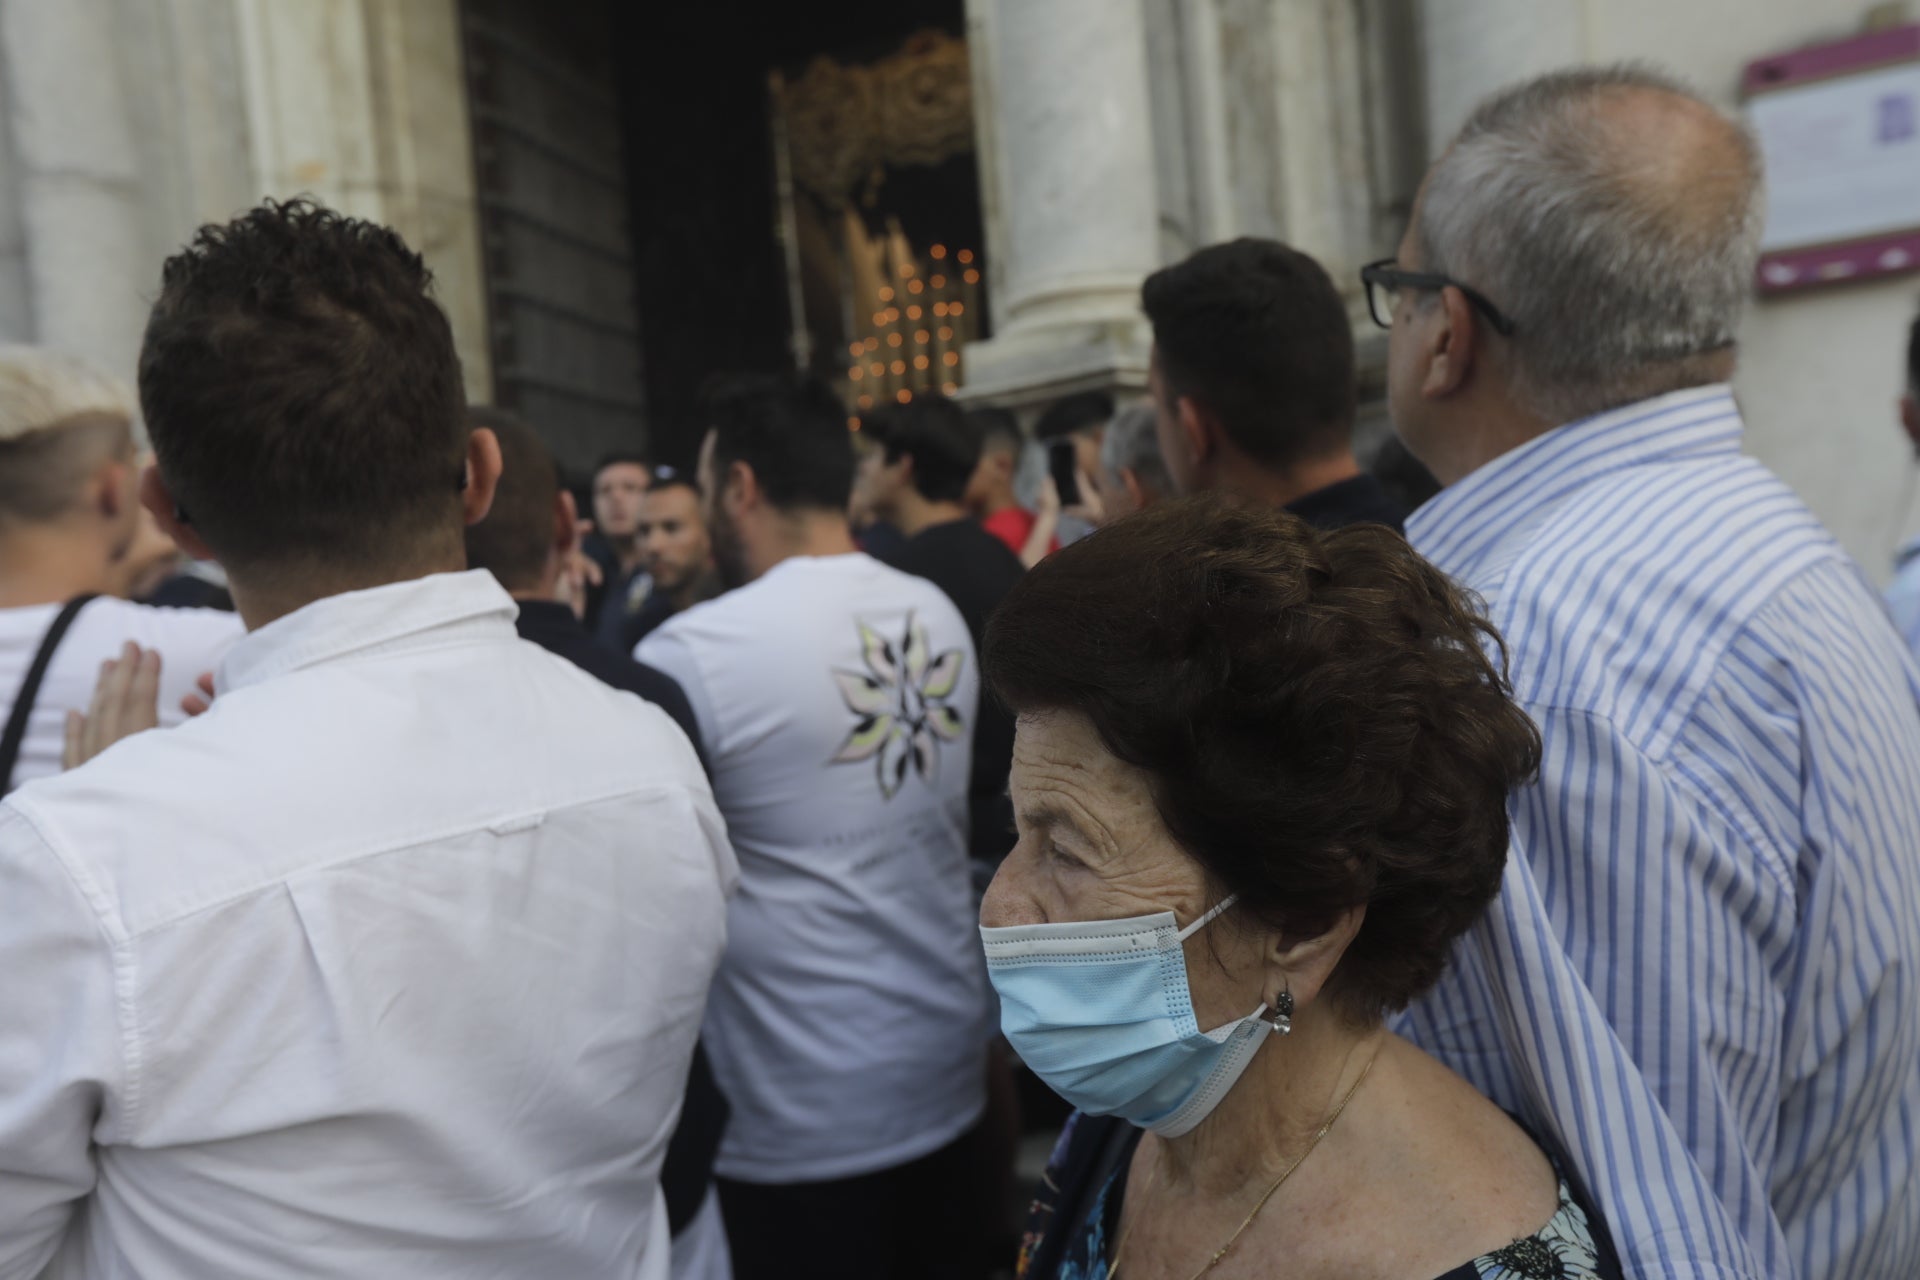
{"x": 1701, "y": 981}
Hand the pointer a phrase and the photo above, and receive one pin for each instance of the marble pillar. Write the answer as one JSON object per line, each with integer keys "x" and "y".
{"x": 76, "y": 174}
{"x": 124, "y": 124}
{"x": 1072, "y": 202}
{"x": 363, "y": 104}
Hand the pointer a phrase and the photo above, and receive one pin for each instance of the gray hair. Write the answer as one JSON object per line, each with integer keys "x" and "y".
{"x": 1621, "y": 254}
{"x": 1131, "y": 444}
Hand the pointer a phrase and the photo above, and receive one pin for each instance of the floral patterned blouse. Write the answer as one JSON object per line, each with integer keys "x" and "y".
{"x": 1070, "y": 1235}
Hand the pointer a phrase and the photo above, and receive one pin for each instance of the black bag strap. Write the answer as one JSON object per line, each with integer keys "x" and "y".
{"x": 16, "y": 731}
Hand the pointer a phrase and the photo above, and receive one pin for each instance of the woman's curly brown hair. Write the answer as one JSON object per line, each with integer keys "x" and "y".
{"x": 1318, "y": 711}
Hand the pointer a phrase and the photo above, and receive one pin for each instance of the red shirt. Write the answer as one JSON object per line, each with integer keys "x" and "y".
{"x": 1013, "y": 526}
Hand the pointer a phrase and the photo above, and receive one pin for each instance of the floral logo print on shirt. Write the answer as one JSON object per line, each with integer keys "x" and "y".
{"x": 899, "y": 705}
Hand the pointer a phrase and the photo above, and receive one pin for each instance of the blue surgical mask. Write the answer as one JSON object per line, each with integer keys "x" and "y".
{"x": 1101, "y": 1011}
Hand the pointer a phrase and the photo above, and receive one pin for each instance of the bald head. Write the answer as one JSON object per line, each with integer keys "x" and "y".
{"x": 1615, "y": 217}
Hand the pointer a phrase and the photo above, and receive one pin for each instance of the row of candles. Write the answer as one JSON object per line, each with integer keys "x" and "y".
{"x": 911, "y": 342}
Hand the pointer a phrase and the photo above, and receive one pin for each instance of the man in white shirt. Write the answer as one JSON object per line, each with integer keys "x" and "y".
{"x": 69, "y": 516}
{"x": 392, "y": 962}
{"x": 849, "y": 1020}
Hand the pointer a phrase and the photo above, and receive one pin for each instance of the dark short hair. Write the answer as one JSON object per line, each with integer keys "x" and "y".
{"x": 791, "y": 432}
{"x": 1257, "y": 334}
{"x": 998, "y": 428}
{"x": 302, "y": 393}
{"x": 940, "y": 437}
{"x": 673, "y": 477}
{"x": 1074, "y": 413}
{"x": 621, "y": 458}
{"x": 1321, "y": 723}
{"x": 513, "y": 541}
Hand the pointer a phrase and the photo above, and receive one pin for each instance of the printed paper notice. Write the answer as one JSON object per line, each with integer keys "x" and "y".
{"x": 1843, "y": 157}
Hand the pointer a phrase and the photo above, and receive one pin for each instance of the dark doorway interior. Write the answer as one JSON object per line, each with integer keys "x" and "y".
{"x": 623, "y": 155}
{"x": 692, "y": 86}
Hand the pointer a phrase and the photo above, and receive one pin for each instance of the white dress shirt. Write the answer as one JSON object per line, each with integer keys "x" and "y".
{"x": 1701, "y": 980}
{"x": 391, "y": 964}
{"x": 190, "y": 642}
{"x": 850, "y": 1018}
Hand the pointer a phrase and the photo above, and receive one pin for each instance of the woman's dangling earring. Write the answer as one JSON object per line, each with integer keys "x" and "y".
{"x": 1282, "y": 1017}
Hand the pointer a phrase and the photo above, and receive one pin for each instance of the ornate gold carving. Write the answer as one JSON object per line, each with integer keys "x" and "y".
{"x": 913, "y": 107}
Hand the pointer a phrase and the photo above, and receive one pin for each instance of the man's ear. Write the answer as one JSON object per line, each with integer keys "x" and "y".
{"x": 1199, "y": 428}
{"x": 173, "y": 522}
{"x": 740, "y": 491}
{"x": 483, "y": 474}
{"x": 114, "y": 487}
{"x": 1451, "y": 344}
{"x": 1136, "y": 492}
{"x": 566, "y": 524}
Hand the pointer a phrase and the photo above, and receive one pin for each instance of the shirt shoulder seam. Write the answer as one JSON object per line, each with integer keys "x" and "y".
{"x": 410, "y": 841}
{"x": 114, "y": 933}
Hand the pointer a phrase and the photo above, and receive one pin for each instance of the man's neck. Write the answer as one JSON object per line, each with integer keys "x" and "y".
{"x": 916, "y": 513}
{"x": 1276, "y": 488}
{"x": 803, "y": 533}
{"x": 47, "y": 564}
{"x": 263, "y": 596}
{"x": 627, "y": 553}
{"x": 687, "y": 594}
{"x": 993, "y": 506}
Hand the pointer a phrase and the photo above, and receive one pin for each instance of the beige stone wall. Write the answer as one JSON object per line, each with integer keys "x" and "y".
{"x": 362, "y": 103}
{"x": 124, "y": 124}
{"x": 1820, "y": 371}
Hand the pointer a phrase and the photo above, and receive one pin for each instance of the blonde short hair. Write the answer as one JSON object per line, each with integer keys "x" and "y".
{"x": 59, "y": 417}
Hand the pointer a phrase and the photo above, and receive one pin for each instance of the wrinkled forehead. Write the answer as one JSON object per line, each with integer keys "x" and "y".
{"x": 1065, "y": 778}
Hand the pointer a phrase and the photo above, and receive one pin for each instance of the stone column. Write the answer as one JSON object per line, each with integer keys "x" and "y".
{"x": 363, "y": 104}
{"x": 1475, "y": 48}
{"x": 77, "y": 174}
{"x": 1068, "y": 179}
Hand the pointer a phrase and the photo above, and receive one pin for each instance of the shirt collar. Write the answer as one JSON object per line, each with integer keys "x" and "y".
{"x": 434, "y": 609}
{"x": 1461, "y": 527}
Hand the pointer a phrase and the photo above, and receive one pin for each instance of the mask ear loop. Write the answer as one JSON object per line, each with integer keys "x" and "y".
{"x": 1206, "y": 919}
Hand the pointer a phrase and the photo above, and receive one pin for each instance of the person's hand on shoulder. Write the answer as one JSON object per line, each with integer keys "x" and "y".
{"x": 125, "y": 701}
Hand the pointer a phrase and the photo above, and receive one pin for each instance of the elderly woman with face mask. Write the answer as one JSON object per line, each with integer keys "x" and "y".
{"x": 1260, "y": 783}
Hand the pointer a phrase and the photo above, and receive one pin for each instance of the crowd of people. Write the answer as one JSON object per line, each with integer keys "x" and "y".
{"x": 1517, "y": 837}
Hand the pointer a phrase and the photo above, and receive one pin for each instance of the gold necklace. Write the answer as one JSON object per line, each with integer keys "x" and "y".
{"x": 1113, "y": 1272}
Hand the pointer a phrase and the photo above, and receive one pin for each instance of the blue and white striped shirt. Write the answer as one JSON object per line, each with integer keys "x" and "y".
{"x": 1702, "y": 977}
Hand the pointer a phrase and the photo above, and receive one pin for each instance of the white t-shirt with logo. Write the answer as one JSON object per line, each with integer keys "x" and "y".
{"x": 849, "y": 1016}
{"x": 191, "y": 643}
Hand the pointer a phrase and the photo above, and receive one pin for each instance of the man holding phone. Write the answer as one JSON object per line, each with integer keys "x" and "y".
{"x": 1073, "y": 428}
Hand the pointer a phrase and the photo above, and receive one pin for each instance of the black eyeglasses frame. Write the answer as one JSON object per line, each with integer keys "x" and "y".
{"x": 1388, "y": 274}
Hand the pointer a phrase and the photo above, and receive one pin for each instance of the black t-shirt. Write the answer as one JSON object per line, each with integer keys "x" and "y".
{"x": 1359, "y": 500}
{"x": 688, "y": 1170}
{"x": 976, "y": 570}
